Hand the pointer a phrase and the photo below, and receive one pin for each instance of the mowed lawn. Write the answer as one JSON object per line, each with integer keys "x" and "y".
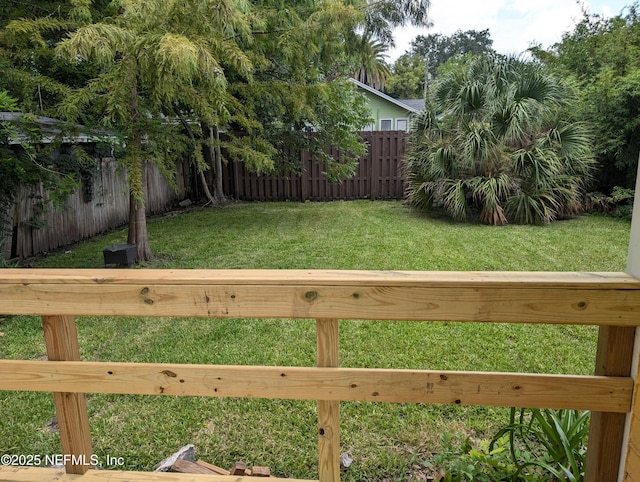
{"x": 386, "y": 441}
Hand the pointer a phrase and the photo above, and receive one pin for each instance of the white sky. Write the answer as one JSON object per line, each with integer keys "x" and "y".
{"x": 514, "y": 24}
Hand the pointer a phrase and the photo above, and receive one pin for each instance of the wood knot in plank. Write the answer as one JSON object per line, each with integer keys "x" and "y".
{"x": 145, "y": 292}
{"x": 311, "y": 295}
{"x": 581, "y": 305}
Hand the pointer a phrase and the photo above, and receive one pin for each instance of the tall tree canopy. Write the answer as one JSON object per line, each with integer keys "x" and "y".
{"x": 407, "y": 77}
{"x": 428, "y": 53}
{"x": 602, "y": 56}
{"x": 150, "y": 56}
{"x": 436, "y": 48}
{"x": 171, "y": 75}
{"x": 373, "y": 69}
{"x": 495, "y": 143}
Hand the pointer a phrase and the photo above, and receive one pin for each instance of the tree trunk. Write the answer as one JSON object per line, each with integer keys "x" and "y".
{"x": 137, "y": 183}
{"x": 218, "y": 191}
{"x": 131, "y": 234}
{"x": 205, "y": 187}
{"x": 141, "y": 235}
{"x": 138, "y": 234}
{"x": 213, "y": 157}
{"x": 201, "y": 174}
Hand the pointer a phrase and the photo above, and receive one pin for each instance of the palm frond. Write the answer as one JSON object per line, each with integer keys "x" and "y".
{"x": 453, "y": 196}
{"x": 490, "y": 193}
{"x": 532, "y": 208}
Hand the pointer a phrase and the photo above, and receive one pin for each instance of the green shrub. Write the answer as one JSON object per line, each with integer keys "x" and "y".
{"x": 619, "y": 204}
{"x": 464, "y": 461}
{"x": 537, "y": 445}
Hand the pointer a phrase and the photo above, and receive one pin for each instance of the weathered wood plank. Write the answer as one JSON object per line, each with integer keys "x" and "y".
{"x": 79, "y": 219}
{"x": 327, "y": 338}
{"x": 605, "y": 394}
{"x": 30, "y": 474}
{"x": 61, "y": 340}
{"x": 481, "y": 303}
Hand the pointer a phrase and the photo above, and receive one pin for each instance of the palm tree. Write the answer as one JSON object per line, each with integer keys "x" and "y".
{"x": 372, "y": 68}
{"x": 492, "y": 143}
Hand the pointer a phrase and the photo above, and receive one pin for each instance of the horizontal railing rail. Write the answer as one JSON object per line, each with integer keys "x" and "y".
{"x": 604, "y": 394}
{"x": 609, "y": 300}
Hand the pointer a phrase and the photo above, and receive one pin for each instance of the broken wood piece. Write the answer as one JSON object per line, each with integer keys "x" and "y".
{"x": 186, "y": 467}
{"x": 213, "y": 468}
{"x": 239, "y": 468}
{"x": 258, "y": 471}
{"x": 188, "y": 452}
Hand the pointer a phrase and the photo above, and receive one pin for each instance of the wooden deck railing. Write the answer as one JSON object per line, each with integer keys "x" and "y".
{"x": 609, "y": 300}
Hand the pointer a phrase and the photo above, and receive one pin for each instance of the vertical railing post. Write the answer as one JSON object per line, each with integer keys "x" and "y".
{"x": 61, "y": 339}
{"x": 328, "y": 410}
{"x": 630, "y": 459}
{"x": 613, "y": 358}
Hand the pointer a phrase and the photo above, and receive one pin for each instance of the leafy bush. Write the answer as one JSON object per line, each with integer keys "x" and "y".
{"x": 536, "y": 445}
{"x": 619, "y": 204}
{"x": 462, "y": 462}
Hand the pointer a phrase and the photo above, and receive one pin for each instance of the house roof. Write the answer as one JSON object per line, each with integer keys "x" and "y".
{"x": 414, "y": 106}
{"x": 51, "y": 128}
{"x": 417, "y": 104}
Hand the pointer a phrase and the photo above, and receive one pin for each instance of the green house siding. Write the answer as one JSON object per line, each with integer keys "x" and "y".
{"x": 381, "y": 109}
{"x": 388, "y": 113}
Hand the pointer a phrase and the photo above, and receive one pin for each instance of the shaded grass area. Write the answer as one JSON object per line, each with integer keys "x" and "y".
{"x": 385, "y": 440}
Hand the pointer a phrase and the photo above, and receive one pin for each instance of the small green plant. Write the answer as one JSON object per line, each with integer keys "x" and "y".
{"x": 464, "y": 461}
{"x": 537, "y": 445}
{"x": 547, "y": 441}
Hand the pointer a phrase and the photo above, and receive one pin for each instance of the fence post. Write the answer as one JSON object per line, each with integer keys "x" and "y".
{"x": 328, "y": 410}
{"x": 61, "y": 340}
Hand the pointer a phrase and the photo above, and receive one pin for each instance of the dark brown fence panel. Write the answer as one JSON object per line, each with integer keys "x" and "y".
{"x": 378, "y": 176}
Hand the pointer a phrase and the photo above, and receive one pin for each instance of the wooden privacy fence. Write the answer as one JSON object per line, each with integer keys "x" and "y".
{"x": 610, "y": 300}
{"x": 378, "y": 176}
{"x": 35, "y": 231}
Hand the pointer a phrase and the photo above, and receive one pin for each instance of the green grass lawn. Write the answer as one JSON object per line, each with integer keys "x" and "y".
{"x": 385, "y": 440}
